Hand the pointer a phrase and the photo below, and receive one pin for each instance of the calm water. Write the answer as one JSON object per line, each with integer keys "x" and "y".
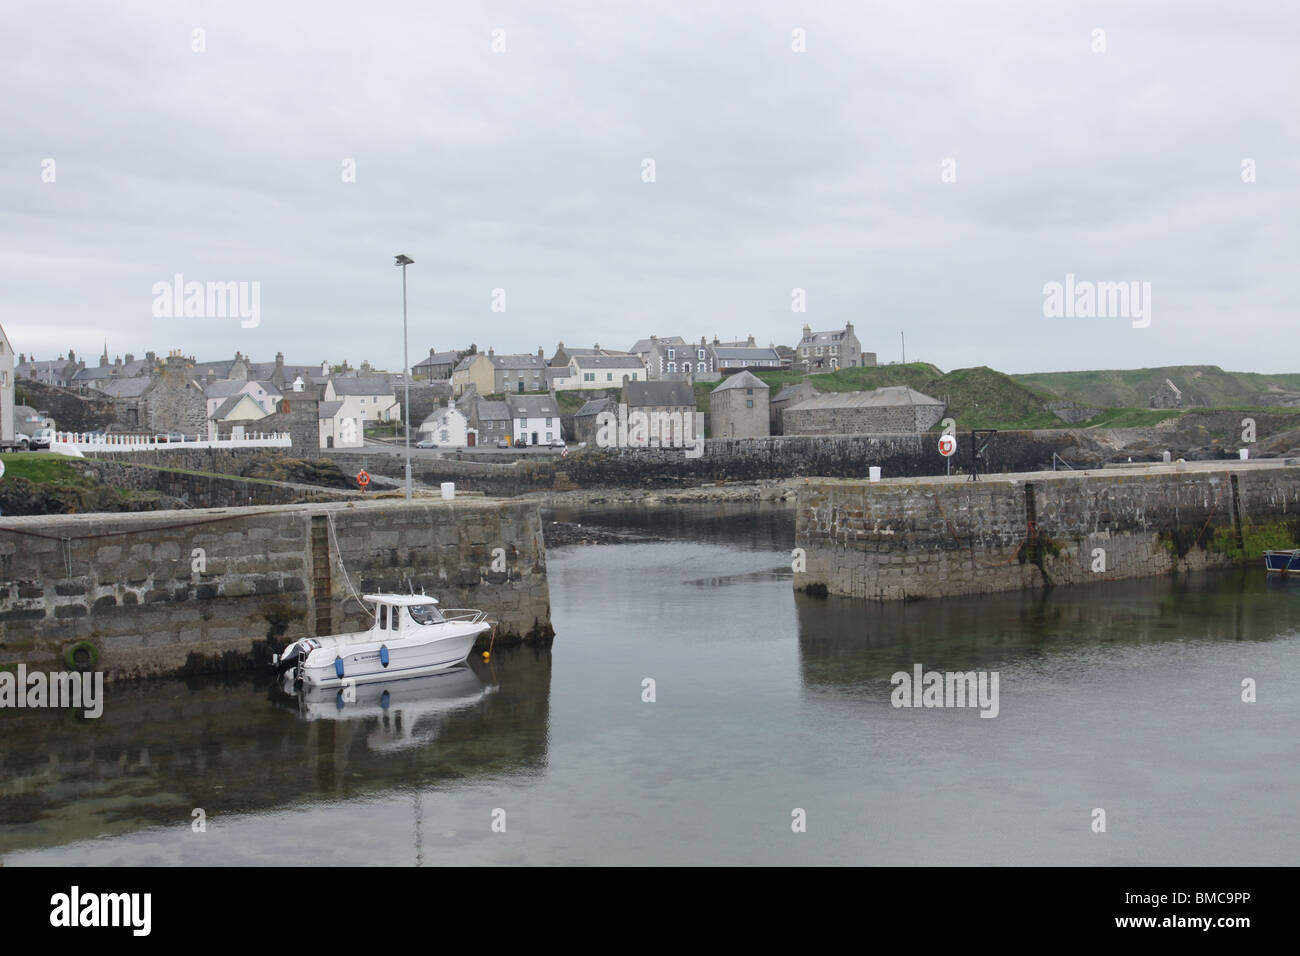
{"x": 1122, "y": 696}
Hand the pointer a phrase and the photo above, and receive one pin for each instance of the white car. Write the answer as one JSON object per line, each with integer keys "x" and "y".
{"x": 42, "y": 438}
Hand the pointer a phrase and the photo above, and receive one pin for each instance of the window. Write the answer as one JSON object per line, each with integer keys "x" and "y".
{"x": 749, "y": 403}
{"x": 700, "y": 353}
{"x": 609, "y": 376}
{"x": 383, "y": 616}
{"x": 672, "y": 368}
{"x": 749, "y": 391}
{"x": 672, "y": 353}
{"x": 425, "y": 614}
{"x": 363, "y": 401}
{"x": 589, "y": 376}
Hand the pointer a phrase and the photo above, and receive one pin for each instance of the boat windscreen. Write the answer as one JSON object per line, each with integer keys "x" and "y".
{"x": 425, "y": 614}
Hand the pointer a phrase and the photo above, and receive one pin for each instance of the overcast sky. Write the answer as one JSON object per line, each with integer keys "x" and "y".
{"x": 524, "y": 170}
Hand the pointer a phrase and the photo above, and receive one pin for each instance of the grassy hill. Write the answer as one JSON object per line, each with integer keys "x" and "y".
{"x": 1133, "y": 388}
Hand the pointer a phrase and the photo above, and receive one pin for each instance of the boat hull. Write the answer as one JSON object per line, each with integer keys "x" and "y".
{"x": 362, "y": 656}
{"x": 1282, "y": 562}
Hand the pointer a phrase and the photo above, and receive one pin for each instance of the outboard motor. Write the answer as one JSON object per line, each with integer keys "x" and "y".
{"x": 289, "y": 659}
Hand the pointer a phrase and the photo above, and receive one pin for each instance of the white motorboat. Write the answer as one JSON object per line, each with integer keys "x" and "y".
{"x": 411, "y": 636}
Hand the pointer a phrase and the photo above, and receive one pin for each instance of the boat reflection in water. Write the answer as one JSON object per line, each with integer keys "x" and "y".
{"x": 407, "y": 713}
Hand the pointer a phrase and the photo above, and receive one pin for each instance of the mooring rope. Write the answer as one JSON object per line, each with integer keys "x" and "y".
{"x": 329, "y": 517}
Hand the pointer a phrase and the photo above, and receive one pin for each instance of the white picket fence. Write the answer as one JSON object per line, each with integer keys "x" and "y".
{"x": 84, "y": 442}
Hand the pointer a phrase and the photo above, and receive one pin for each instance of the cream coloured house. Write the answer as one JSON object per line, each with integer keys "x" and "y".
{"x": 370, "y": 398}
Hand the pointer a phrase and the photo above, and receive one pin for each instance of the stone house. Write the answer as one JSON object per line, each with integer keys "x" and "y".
{"x": 747, "y": 355}
{"x": 263, "y": 393}
{"x": 669, "y": 407}
{"x": 488, "y": 417}
{"x": 738, "y": 408}
{"x": 518, "y": 373}
{"x": 173, "y": 401}
{"x": 895, "y": 408}
{"x": 831, "y": 350}
{"x": 591, "y": 372}
{"x": 297, "y": 413}
{"x": 475, "y": 371}
{"x": 563, "y": 354}
{"x": 585, "y": 422}
{"x": 436, "y": 368}
{"x": 672, "y": 357}
{"x": 534, "y": 419}
{"x": 57, "y": 372}
{"x": 240, "y": 407}
{"x": 370, "y": 398}
{"x": 449, "y": 428}
{"x": 337, "y": 429}
{"x": 789, "y": 395}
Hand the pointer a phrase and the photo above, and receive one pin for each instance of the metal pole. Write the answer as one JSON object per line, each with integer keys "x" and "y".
{"x": 406, "y": 374}
{"x": 903, "y": 340}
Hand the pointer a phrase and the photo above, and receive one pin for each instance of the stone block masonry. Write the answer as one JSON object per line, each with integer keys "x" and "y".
{"x": 910, "y": 539}
{"x": 133, "y": 586}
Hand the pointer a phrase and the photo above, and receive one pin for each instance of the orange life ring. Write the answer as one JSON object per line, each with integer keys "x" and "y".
{"x": 363, "y": 479}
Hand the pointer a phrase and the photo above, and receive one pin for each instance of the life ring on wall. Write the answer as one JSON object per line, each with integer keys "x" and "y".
{"x": 363, "y": 478}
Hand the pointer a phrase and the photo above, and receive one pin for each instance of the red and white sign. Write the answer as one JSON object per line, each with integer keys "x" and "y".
{"x": 948, "y": 445}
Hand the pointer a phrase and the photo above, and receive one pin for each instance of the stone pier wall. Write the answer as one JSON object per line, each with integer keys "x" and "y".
{"x": 924, "y": 539}
{"x": 133, "y": 586}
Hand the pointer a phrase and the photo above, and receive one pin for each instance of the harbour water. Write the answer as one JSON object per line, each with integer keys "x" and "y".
{"x": 1122, "y": 696}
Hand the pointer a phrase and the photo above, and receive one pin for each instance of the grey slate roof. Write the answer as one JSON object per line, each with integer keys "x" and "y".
{"x": 791, "y": 391}
{"x": 742, "y": 380}
{"x": 329, "y": 409}
{"x": 93, "y": 373}
{"x": 223, "y": 389}
{"x": 522, "y": 361}
{"x": 492, "y": 411}
{"x": 747, "y": 354}
{"x": 608, "y": 362}
{"x": 642, "y": 394}
{"x": 362, "y": 385}
{"x": 823, "y": 338}
{"x": 595, "y": 407}
{"x": 892, "y": 395}
{"x": 644, "y": 345}
{"x": 437, "y": 358}
{"x": 126, "y": 387}
{"x": 531, "y": 406}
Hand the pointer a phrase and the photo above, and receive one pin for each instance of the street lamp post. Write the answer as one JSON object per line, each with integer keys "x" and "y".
{"x": 405, "y": 261}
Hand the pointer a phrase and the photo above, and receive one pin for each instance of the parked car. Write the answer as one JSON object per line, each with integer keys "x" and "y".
{"x": 556, "y": 443}
{"x": 426, "y": 443}
{"x": 42, "y": 438}
{"x": 503, "y": 442}
{"x": 172, "y": 437}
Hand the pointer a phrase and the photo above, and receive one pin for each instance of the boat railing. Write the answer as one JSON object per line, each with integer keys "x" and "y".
{"x": 462, "y": 615}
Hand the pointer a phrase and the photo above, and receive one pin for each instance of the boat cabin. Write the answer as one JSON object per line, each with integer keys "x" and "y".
{"x": 397, "y": 612}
